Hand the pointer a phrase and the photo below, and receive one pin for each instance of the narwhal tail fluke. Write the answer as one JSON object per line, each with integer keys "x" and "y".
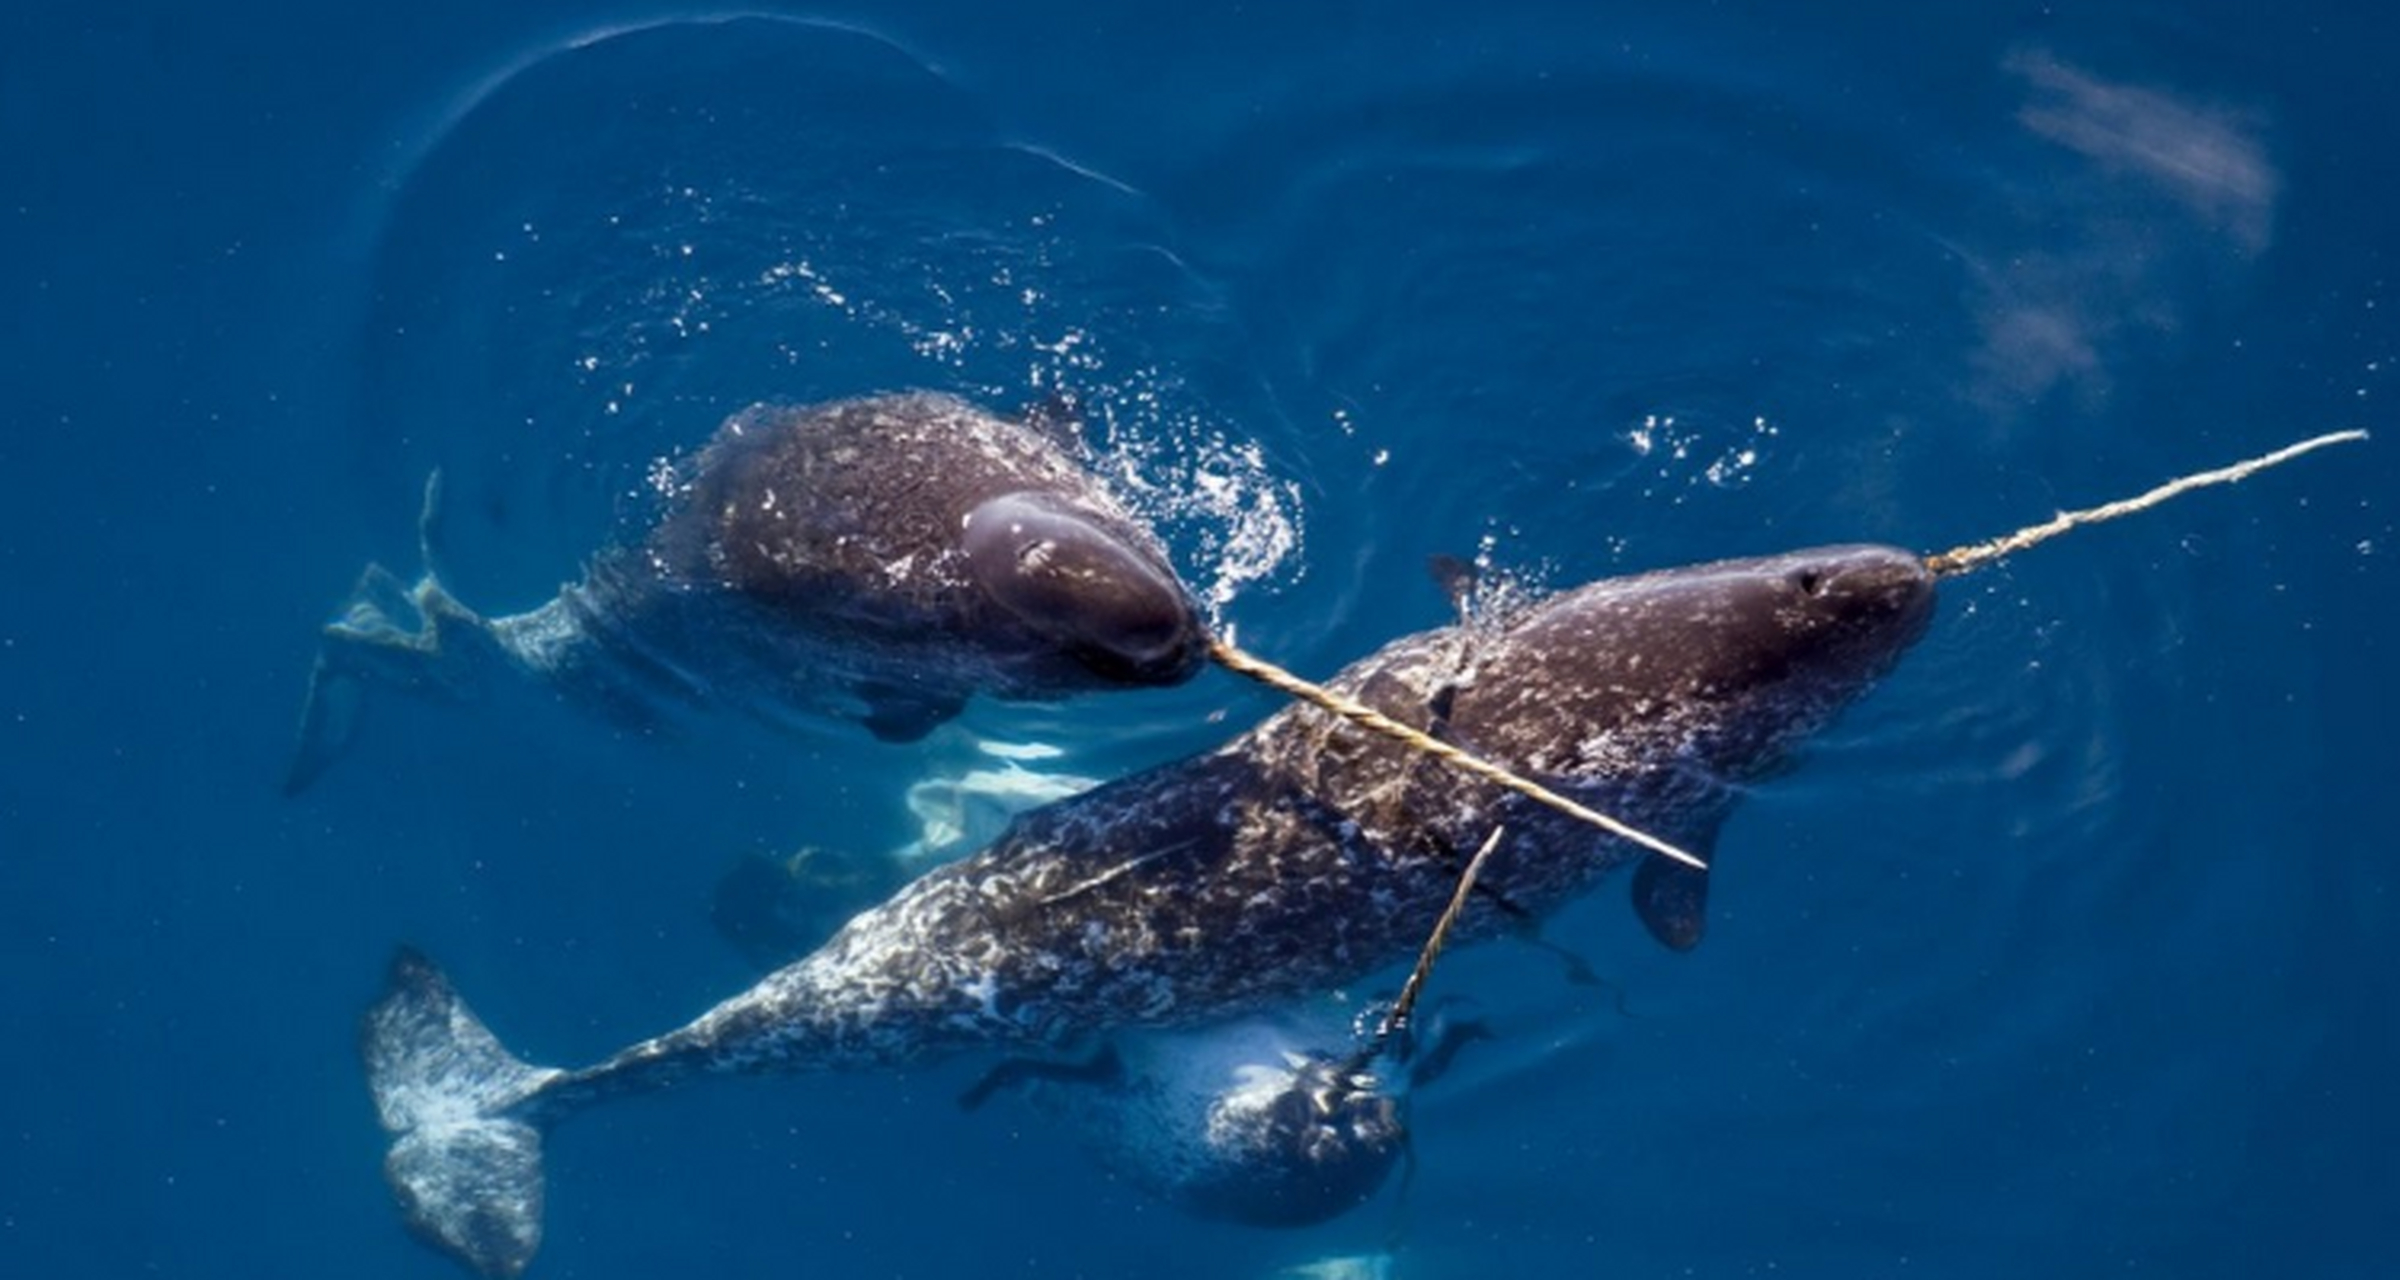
{"x": 466, "y": 1157}
{"x": 413, "y": 636}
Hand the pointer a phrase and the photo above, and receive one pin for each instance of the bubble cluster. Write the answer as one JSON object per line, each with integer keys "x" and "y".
{"x": 1694, "y": 456}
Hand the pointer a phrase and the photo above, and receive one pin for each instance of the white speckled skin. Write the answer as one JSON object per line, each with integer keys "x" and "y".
{"x": 1307, "y": 854}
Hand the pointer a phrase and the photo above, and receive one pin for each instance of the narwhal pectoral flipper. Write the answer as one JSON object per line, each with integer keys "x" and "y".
{"x": 466, "y": 1162}
{"x": 328, "y": 723}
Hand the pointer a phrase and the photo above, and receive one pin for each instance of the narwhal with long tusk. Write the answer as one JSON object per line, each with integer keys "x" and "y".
{"x": 1302, "y": 855}
{"x": 1299, "y": 857}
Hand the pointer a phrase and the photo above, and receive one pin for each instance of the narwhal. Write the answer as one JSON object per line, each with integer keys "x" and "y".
{"x": 1300, "y": 856}
{"x": 882, "y": 559}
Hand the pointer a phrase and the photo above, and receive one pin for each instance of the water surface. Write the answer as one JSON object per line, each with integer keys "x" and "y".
{"x": 2069, "y": 952}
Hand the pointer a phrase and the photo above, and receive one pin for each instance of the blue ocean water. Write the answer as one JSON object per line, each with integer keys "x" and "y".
{"x": 2071, "y": 951}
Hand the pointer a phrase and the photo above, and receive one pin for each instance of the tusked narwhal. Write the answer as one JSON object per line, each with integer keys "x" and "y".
{"x": 1301, "y": 856}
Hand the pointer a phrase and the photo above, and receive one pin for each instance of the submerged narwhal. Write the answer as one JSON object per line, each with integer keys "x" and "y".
{"x": 883, "y": 558}
{"x": 1300, "y": 857}
{"x": 1285, "y": 1118}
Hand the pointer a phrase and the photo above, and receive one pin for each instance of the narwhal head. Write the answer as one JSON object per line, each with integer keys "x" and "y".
{"x": 1658, "y": 696}
{"x": 1718, "y": 668}
{"x": 1296, "y": 1143}
{"x": 1086, "y": 584}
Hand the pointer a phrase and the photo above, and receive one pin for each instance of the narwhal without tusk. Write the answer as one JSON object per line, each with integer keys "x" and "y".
{"x": 880, "y": 559}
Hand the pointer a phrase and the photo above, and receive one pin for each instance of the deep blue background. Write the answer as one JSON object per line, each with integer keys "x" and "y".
{"x": 2072, "y": 952}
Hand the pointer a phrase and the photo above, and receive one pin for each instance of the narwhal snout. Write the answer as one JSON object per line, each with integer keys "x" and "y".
{"x": 1879, "y": 595}
{"x": 1104, "y": 599}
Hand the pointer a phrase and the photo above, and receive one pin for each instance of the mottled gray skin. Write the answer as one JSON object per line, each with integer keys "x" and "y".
{"x": 1302, "y": 856}
{"x": 882, "y": 559}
